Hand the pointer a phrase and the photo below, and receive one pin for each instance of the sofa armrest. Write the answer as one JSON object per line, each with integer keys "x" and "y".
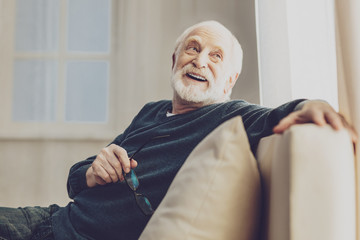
{"x": 308, "y": 178}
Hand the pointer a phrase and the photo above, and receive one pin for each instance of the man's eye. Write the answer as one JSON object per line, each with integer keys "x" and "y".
{"x": 192, "y": 49}
{"x": 217, "y": 55}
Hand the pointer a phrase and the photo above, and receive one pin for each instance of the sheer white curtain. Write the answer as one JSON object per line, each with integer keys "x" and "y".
{"x": 311, "y": 49}
{"x": 348, "y": 44}
{"x": 297, "y": 54}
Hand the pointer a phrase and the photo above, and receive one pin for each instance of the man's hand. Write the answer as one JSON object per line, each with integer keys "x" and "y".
{"x": 318, "y": 112}
{"x": 108, "y": 166}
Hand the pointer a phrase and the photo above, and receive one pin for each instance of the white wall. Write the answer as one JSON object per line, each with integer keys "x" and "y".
{"x": 34, "y": 172}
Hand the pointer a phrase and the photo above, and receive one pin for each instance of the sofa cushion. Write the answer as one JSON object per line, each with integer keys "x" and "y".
{"x": 216, "y": 193}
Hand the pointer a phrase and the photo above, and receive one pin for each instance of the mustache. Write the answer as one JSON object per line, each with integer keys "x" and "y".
{"x": 189, "y": 68}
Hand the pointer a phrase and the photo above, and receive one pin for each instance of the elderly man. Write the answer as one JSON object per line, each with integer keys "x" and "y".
{"x": 206, "y": 64}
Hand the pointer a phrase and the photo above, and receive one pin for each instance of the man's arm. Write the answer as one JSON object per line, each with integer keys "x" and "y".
{"x": 108, "y": 166}
{"x": 318, "y": 112}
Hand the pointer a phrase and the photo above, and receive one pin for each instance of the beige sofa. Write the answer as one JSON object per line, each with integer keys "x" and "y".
{"x": 302, "y": 187}
{"x": 309, "y": 184}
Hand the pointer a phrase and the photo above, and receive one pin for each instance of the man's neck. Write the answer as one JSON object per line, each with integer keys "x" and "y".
{"x": 180, "y": 106}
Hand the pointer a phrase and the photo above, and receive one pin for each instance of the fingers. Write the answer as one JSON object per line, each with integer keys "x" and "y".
{"x": 133, "y": 163}
{"x": 121, "y": 158}
{"x": 316, "y": 117}
{"x": 334, "y": 120}
{"x": 338, "y": 122}
{"x": 293, "y": 118}
{"x": 318, "y": 112}
{"x": 109, "y": 165}
{"x": 285, "y": 123}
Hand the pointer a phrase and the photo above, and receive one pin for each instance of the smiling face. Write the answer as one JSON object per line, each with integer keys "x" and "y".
{"x": 202, "y": 71}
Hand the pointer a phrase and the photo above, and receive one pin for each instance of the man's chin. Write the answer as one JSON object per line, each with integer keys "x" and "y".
{"x": 194, "y": 95}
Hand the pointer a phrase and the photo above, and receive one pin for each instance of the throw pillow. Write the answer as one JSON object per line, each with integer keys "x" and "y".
{"x": 215, "y": 195}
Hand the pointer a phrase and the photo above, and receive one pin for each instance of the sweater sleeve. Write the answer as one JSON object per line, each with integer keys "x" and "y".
{"x": 259, "y": 121}
{"x": 77, "y": 175}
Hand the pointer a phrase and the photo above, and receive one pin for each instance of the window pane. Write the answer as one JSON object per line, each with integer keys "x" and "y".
{"x": 86, "y": 91}
{"x": 88, "y": 25}
{"x": 37, "y": 25}
{"x": 34, "y": 90}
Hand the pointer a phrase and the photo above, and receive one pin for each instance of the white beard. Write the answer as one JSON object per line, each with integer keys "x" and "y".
{"x": 194, "y": 93}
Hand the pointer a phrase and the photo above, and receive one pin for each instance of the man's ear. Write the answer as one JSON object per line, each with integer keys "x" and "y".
{"x": 173, "y": 60}
{"x": 231, "y": 82}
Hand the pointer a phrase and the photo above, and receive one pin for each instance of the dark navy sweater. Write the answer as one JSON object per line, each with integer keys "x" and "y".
{"x": 110, "y": 211}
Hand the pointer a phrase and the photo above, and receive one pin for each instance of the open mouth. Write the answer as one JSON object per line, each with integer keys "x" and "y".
{"x": 196, "y": 77}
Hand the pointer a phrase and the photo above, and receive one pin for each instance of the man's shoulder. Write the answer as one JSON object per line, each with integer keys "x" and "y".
{"x": 157, "y": 104}
{"x": 155, "y": 108}
{"x": 241, "y": 107}
{"x": 236, "y": 103}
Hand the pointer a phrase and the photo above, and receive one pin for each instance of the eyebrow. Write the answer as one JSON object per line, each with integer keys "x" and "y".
{"x": 191, "y": 39}
{"x": 197, "y": 39}
{"x": 219, "y": 50}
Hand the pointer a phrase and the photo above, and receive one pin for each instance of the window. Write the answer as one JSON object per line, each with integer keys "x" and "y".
{"x": 58, "y": 64}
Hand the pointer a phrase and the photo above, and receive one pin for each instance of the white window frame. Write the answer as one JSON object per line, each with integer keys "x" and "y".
{"x": 58, "y": 129}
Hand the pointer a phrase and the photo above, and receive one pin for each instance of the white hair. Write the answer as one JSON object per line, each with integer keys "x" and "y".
{"x": 236, "y": 50}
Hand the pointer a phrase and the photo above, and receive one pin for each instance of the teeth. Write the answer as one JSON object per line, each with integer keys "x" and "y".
{"x": 196, "y": 77}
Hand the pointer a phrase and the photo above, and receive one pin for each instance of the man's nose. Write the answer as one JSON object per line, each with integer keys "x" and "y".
{"x": 201, "y": 60}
